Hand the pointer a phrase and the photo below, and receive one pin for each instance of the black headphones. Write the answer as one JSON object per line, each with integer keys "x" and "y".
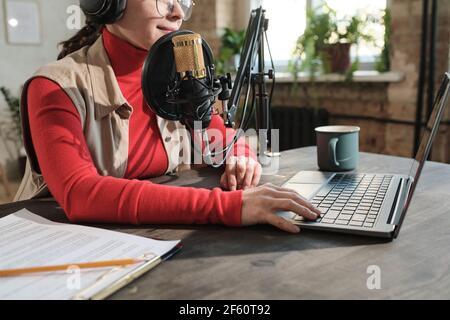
{"x": 103, "y": 11}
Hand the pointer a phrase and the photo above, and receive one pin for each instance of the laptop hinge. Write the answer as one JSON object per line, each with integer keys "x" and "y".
{"x": 399, "y": 200}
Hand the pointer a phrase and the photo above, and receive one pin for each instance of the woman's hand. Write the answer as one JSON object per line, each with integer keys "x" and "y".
{"x": 260, "y": 205}
{"x": 240, "y": 173}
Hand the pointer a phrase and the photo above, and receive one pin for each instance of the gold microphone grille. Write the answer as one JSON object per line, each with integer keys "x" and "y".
{"x": 188, "y": 51}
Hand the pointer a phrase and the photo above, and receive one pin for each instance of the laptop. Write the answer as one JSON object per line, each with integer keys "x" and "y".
{"x": 366, "y": 204}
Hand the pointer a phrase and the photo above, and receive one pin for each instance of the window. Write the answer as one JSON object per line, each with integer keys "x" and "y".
{"x": 287, "y": 21}
{"x": 367, "y": 53}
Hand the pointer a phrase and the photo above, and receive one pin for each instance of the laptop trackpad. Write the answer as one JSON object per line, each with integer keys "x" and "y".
{"x": 307, "y": 183}
{"x": 305, "y": 190}
{"x": 308, "y": 177}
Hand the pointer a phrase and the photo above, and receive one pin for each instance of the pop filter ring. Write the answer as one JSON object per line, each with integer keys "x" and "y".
{"x": 159, "y": 73}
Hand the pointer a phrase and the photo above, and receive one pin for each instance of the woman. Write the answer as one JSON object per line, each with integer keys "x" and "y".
{"x": 90, "y": 136}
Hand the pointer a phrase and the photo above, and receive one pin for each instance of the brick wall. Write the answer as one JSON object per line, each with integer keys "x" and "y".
{"x": 402, "y": 97}
{"x": 361, "y": 104}
{"x": 384, "y": 111}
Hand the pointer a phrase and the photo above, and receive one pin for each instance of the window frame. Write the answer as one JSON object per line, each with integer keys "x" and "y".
{"x": 281, "y": 65}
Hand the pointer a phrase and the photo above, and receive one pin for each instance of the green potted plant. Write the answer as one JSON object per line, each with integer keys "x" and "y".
{"x": 325, "y": 45}
{"x": 383, "y": 62}
{"x": 231, "y": 45}
{"x": 11, "y": 132}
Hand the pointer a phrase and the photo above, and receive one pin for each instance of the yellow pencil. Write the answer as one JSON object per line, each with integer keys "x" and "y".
{"x": 85, "y": 265}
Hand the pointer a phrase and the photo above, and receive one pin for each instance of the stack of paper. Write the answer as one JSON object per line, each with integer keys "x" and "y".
{"x": 27, "y": 240}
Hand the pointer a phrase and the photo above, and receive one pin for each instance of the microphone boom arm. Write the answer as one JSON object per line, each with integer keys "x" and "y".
{"x": 253, "y": 48}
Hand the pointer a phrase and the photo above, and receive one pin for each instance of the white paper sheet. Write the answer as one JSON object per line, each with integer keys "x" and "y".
{"x": 28, "y": 240}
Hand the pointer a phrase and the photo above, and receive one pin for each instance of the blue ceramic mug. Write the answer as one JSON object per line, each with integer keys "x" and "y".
{"x": 337, "y": 148}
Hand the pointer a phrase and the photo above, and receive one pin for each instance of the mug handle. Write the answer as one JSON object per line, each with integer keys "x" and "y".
{"x": 332, "y": 151}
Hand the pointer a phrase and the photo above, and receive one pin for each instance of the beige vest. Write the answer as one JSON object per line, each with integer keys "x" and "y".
{"x": 88, "y": 79}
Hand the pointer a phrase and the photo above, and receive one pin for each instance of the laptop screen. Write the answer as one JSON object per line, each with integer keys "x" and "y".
{"x": 429, "y": 134}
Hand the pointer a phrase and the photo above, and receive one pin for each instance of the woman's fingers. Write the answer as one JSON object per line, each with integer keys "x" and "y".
{"x": 230, "y": 171}
{"x": 287, "y": 204}
{"x": 294, "y": 195}
{"x": 260, "y": 205}
{"x": 241, "y": 168}
{"x": 249, "y": 173}
{"x": 224, "y": 181}
{"x": 256, "y": 175}
{"x": 281, "y": 223}
{"x": 241, "y": 173}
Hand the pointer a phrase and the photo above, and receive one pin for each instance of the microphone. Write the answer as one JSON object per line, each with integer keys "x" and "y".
{"x": 178, "y": 79}
{"x": 196, "y": 88}
{"x": 179, "y": 83}
{"x": 188, "y": 53}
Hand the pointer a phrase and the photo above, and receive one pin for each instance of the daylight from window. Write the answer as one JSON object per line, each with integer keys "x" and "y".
{"x": 288, "y": 17}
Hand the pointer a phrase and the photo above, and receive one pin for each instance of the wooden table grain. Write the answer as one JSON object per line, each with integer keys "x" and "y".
{"x": 263, "y": 263}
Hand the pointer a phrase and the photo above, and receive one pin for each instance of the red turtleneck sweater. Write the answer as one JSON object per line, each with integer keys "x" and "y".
{"x": 86, "y": 196}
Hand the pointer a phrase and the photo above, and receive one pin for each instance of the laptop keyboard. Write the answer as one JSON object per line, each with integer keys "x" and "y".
{"x": 352, "y": 199}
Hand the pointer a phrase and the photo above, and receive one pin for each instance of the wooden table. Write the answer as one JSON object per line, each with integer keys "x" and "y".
{"x": 262, "y": 263}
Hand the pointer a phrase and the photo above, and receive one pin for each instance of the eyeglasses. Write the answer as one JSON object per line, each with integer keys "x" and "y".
{"x": 166, "y": 7}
